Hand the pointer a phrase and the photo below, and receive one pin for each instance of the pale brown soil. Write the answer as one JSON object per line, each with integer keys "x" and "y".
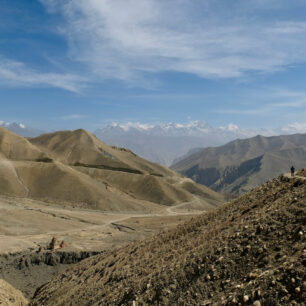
{"x": 29, "y": 225}
{"x": 9, "y": 296}
{"x": 250, "y": 251}
{"x": 72, "y": 187}
{"x": 75, "y": 168}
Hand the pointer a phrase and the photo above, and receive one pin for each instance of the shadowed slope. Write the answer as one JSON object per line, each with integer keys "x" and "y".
{"x": 248, "y": 250}
{"x": 242, "y": 165}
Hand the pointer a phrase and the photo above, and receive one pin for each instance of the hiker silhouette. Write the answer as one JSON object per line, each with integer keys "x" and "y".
{"x": 292, "y": 170}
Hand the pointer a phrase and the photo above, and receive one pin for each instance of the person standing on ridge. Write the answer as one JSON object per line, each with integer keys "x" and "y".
{"x": 292, "y": 171}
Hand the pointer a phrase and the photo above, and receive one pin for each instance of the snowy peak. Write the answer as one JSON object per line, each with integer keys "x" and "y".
{"x": 171, "y": 129}
{"x": 20, "y": 129}
{"x": 165, "y": 142}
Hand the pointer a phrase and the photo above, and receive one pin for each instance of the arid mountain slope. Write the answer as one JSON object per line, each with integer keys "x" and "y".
{"x": 75, "y": 168}
{"x": 244, "y": 164}
{"x": 250, "y": 250}
{"x": 83, "y": 148}
{"x": 15, "y": 147}
{"x": 9, "y": 296}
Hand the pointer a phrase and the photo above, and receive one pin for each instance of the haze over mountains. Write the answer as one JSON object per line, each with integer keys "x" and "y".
{"x": 75, "y": 168}
{"x": 165, "y": 143}
{"x": 21, "y": 129}
{"x": 241, "y": 165}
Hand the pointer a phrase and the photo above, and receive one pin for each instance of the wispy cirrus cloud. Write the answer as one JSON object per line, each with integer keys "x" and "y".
{"x": 17, "y": 74}
{"x": 268, "y": 101}
{"x": 129, "y": 39}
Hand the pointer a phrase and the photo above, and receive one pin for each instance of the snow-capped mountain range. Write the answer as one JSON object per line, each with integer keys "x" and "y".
{"x": 167, "y": 142}
{"x": 164, "y": 143}
{"x": 193, "y": 128}
{"x": 20, "y": 129}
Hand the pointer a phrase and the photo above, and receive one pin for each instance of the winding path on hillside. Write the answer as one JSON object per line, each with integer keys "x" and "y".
{"x": 31, "y": 223}
{"x": 170, "y": 210}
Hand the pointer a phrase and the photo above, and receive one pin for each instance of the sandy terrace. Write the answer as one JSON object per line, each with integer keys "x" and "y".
{"x": 27, "y": 224}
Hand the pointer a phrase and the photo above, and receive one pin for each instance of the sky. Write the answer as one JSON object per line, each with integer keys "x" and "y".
{"x": 66, "y": 64}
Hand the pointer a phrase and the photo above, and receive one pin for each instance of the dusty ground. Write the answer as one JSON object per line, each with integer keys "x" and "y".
{"x": 27, "y": 224}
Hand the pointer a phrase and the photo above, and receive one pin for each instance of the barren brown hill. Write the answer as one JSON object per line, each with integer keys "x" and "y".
{"x": 9, "y": 296}
{"x": 15, "y": 147}
{"x": 250, "y": 251}
{"x": 241, "y": 165}
{"x": 75, "y": 168}
{"x": 80, "y": 147}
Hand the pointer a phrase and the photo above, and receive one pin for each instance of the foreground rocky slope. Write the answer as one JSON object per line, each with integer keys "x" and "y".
{"x": 250, "y": 251}
{"x": 241, "y": 165}
{"x": 75, "y": 168}
{"x": 9, "y": 296}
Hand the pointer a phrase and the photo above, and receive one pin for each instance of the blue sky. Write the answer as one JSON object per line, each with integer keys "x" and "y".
{"x": 66, "y": 64}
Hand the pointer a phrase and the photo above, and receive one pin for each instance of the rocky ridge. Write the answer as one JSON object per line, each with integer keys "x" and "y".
{"x": 250, "y": 251}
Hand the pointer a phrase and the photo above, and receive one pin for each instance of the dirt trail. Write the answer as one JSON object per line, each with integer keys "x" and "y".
{"x": 170, "y": 210}
{"x": 30, "y": 224}
{"x": 10, "y": 167}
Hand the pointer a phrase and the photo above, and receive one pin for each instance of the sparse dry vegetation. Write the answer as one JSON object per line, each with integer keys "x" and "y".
{"x": 302, "y": 172}
{"x": 9, "y": 296}
{"x": 249, "y": 252}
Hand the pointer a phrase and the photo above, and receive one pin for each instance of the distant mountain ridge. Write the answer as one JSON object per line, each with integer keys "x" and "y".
{"x": 166, "y": 143}
{"x": 163, "y": 143}
{"x": 21, "y": 129}
{"x": 241, "y": 165}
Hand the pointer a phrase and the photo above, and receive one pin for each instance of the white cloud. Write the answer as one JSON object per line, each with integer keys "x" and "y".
{"x": 232, "y": 127}
{"x": 127, "y": 39}
{"x": 297, "y": 127}
{"x": 13, "y": 73}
